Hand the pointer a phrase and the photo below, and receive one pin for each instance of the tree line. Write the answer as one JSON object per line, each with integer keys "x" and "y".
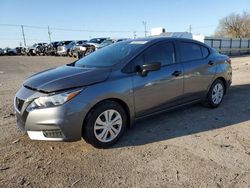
{"x": 235, "y": 25}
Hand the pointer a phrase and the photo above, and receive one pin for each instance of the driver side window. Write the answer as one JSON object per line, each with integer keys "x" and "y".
{"x": 163, "y": 53}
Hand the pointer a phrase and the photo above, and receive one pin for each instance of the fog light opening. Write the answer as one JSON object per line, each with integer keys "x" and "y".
{"x": 53, "y": 133}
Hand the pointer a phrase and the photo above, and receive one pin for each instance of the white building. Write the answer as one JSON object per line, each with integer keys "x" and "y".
{"x": 160, "y": 31}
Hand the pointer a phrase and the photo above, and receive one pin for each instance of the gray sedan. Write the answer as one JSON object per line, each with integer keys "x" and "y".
{"x": 102, "y": 94}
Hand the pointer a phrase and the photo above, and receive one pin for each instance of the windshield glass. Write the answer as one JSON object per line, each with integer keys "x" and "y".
{"x": 97, "y": 40}
{"x": 62, "y": 43}
{"x": 81, "y": 42}
{"x": 109, "y": 55}
{"x": 106, "y": 42}
{"x": 71, "y": 43}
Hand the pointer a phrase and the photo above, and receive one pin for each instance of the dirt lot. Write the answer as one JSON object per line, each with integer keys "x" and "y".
{"x": 192, "y": 147}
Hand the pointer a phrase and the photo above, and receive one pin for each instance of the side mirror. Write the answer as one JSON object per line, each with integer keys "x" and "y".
{"x": 144, "y": 69}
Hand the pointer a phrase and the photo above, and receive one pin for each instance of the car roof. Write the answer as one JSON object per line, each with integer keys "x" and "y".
{"x": 157, "y": 39}
{"x": 152, "y": 40}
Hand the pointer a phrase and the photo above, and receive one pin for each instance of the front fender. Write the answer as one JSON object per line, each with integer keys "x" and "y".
{"x": 119, "y": 89}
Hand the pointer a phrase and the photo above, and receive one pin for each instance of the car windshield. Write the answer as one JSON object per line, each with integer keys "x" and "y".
{"x": 64, "y": 43}
{"x": 81, "y": 41}
{"x": 97, "y": 40}
{"x": 106, "y": 42}
{"x": 71, "y": 43}
{"x": 109, "y": 55}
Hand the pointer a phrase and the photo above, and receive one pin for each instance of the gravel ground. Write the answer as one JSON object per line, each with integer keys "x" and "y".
{"x": 191, "y": 147}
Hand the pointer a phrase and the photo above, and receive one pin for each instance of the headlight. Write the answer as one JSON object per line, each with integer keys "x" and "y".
{"x": 53, "y": 100}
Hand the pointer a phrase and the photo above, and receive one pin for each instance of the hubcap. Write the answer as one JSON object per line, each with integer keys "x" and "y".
{"x": 108, "y": 125}
{"x": 217, "y": 93}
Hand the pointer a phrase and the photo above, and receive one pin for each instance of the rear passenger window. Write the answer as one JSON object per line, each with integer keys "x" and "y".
{"x": 162, "y": 53}
{"x": 190, "y": 51}
{"x": 205, "y": 51}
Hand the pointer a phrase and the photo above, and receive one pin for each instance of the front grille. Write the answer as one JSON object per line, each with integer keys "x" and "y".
{"x": 61, "y": 48}
{"x": 19, "y": 103}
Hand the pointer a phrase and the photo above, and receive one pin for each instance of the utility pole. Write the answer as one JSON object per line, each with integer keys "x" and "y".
{"x": 24, "y": 41}
{"x": 49, "y": 33}
{"x": 145, "y": 27}
{"x": 134, "y": 34}
{"x": 190, "y": 28}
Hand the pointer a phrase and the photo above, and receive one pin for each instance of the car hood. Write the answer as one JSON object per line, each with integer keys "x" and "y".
{"x": 31, "y": 47}
{"x": 66, "y": 77}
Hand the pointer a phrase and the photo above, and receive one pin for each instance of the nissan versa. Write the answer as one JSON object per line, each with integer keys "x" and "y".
{"x": 100, "y": 95}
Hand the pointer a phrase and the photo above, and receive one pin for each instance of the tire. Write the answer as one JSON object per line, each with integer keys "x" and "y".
{"x": 79, "y": 55}
{"x": 68, "y": 55}
{"x": 215, "y": 94}
{"x": 97, "y": 132}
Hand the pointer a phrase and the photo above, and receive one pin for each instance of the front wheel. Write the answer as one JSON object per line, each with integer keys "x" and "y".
{"x": 105, "y": 124}
{"x": 216, "y": 94}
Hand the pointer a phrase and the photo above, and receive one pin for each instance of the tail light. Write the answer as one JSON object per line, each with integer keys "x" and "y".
{"x": 228, "y": 61}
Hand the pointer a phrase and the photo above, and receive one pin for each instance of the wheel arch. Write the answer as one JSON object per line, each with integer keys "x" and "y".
{"x": 125, "y": 107}
{"x": 117, "y": 100}
{"x": 224, "y": 82}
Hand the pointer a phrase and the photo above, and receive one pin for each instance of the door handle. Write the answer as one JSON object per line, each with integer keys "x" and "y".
{"x": 176, "y": 73}
{"x": 210, "y": 62}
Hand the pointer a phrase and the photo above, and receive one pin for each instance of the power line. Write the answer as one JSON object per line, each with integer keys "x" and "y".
{"x": 90, "y": 30}
{"x": 27, "y": 39}
{"x": 25, "y": 30}
{"x": 66, "y": 29}
{"x": 200, "y": 27}
{"x": 96, "y": 31}
{"x": 17, "y": 25}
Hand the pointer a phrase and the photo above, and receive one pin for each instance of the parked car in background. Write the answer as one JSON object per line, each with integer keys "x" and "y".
{"x": 79, "y": 50}
{"x": 96, "y": 41}
{"x": 63, "y": 47}
{"x": 9, "y": 51}
{"x": 77, "y": 43}
{"x": 87, "y": 48}
{"x": 66, "y": 49}
{"x": 21, "y": 51}
{"x": 36, "y": 49}
{"x": 100, "y": 95}
{"x": 1, "y": 51}
{"x": 110, "y": 41}
{"x": 51, "y": 49}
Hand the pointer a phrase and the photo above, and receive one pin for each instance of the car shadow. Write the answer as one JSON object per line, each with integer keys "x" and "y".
{"x": 191, "y": 120}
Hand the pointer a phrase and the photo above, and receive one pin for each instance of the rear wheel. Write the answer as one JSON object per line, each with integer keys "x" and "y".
{"x": 216, "y": 93}
{"x": 105, "y": 124}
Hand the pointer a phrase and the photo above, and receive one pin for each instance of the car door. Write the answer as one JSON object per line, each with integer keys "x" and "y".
{"x": 197, "y": 70}
{"x": 158, "y": 89}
